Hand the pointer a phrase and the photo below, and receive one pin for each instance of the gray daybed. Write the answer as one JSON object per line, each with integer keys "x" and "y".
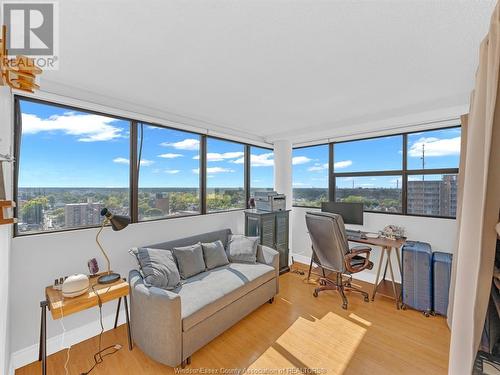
{"x": 169, "y": 326}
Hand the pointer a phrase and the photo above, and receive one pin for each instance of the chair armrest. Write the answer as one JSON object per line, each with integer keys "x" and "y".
{"x": 357, "y": 251}
{"x": 155, "y": 318}
{"x": 271, "y": 257}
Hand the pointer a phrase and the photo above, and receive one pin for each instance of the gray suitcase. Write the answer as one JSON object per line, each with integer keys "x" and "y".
{"x": 417, "y": 276}
{"x": 441, "y": 272}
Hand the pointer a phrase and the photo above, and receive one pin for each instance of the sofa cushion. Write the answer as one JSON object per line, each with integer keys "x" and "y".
{"x": 242, "y": 249}
{"x": 190, "y": 260}
{"x": 214, "y": 254}
{"x": 208, "y": 292}
{"x": 158, "y": 268}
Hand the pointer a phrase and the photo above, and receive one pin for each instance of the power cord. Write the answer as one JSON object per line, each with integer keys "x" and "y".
{"x": 99, "y": 356}
{"x": 62, "y": 339}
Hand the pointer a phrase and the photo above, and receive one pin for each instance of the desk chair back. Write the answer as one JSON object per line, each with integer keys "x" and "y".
{"x": 329, "y": 240}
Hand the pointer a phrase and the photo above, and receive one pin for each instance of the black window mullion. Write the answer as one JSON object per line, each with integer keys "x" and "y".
{"x": 331, "y": 171}
{"x": 247, "y": 171}
{"x": 203, "y": 174}
{"x": 404, "y": 178}
{"x": 134, "y": 175}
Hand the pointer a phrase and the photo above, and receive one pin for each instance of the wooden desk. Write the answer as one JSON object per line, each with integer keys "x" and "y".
{"x": 61, "y": 307}
{"x": 387, "y": 245}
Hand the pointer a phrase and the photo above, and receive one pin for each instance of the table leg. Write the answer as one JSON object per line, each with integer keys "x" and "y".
{"x": 118, "y": 311}
{"x": 400, "y": 264}
{"x": 42, "y": 355}
{"x": 128, "y": 324}
{"x": 378, "y": 273}
{"x": 396, "y": 296}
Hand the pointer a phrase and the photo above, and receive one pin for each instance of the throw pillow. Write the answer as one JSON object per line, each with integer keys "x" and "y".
{"x": 158, "y": 268}
{"x": 242, "y": 249}
{"x": 214, "y": 254}
{"x": 190, "y": 260}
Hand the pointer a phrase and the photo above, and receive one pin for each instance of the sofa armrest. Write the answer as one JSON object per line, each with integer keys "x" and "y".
{"x": 271, "y": 257}
{"x": 155, "y": 318}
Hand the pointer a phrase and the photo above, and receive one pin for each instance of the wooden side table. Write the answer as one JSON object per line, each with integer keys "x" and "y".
{"x": 61, "y": 307}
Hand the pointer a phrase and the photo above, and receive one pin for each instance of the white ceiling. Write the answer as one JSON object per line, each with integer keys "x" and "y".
{"x": 275, "y": 68}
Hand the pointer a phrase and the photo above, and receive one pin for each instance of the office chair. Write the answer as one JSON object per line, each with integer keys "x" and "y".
{"x": 331, "y": 252}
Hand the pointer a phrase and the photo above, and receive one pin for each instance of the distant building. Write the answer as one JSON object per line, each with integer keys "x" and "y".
{"x": 162, "y": 203}
{"x": 433, "y": 197}
{"x": 80, "y": 214}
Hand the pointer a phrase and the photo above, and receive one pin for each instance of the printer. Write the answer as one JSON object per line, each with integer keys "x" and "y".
{"x": 269, "y": 201}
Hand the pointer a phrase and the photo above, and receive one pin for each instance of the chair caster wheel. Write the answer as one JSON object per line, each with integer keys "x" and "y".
{"x": 426, "y": 314}
{"x": 344, "y": 306}
{"x": 315, "y": 293}
{"x": 367, "y": 299}
{"x": 403, "y": 306}
{"x": 433, "y": 313}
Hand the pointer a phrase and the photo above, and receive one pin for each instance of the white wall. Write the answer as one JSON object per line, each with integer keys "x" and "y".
{"x": 37, "y": 260}
{"x": 440, "y": 233}
{"x": 283, "y": 174}
{"x": 5, "y": 231}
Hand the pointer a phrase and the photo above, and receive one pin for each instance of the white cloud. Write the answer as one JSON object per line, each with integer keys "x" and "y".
{"x": 342, "y": 164}
{"x": 214, "y": 170}
{"x": 297, "y": 160}
{"x": 144, "y": 162}
{"x": 172, "y": 171}
{"x": 215, "y": 156}
{"x": 318, "y": 167}
{"x": 189, "y": 144}
{"x": 435, "y": 147}
{"x": 120, "y": 161}
{"x": 262, "y": 160}
{"x": 86, "y": 127}
{"x": 170, "y": 156}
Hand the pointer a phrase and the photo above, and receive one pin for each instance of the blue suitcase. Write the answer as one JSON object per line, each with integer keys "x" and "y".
{"x": 441, "y": 266}
{"x": 417, "y": 276}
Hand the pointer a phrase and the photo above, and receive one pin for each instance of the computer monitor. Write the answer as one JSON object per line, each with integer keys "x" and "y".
{"x": 352, "y": 213}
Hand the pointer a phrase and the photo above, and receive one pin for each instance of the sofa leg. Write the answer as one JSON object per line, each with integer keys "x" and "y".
{"x": 188, "y": 360}
{"x": 183, "y": 364}
{"x": 271, "y": 300}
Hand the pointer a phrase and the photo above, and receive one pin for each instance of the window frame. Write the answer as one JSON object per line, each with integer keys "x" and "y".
{"x": 404, "y": 172}
{"x": 133, "y": 172}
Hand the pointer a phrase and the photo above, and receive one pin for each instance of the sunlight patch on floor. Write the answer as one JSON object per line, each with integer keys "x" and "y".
{"x": 332, "y": 341}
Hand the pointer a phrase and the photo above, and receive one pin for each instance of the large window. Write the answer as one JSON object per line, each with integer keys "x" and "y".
{"x": 169, "y": 181}
{"x": 310, "y": 175}
{"x": 261, "y": 169}
{"x": 225, "y": 175}
{"x": 72, "y": 164}
{"x": 413, "y": 173}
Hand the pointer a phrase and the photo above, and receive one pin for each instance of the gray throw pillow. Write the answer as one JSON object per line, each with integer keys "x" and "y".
{"x": 190, "y": 260}
{"x": 242, "y": 249}
{"x": 158, "y": 268}
{"x": 214, "y": 254}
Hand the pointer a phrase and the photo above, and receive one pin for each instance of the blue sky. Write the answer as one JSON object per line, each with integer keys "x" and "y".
{"x": 64, "y": 148}
{"x": 442, "y": 150}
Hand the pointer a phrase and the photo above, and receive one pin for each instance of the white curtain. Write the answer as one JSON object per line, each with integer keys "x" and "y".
{"x": 480, "y": 208}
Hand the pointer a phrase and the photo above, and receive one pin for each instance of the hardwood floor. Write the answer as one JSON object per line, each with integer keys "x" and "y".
{"x": 297, "y": 331}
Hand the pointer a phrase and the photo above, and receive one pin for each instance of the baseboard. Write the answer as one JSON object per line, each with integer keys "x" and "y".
{"x": 28, "y": 355}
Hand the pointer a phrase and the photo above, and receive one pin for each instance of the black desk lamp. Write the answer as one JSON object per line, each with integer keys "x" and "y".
{"x": 117, "y": 223}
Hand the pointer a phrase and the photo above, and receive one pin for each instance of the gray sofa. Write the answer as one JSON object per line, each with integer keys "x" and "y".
{"x": 169, "y": 326}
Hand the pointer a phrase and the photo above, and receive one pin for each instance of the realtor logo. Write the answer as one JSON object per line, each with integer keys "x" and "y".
{"x": 32, "y": 30}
